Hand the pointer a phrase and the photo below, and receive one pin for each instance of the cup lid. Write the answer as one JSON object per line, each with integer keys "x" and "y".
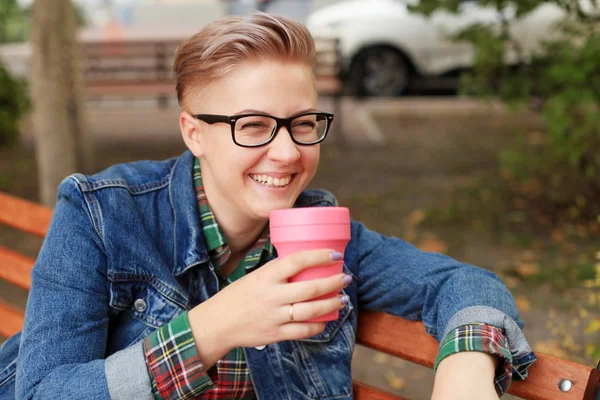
{"x": 309, "y": 216}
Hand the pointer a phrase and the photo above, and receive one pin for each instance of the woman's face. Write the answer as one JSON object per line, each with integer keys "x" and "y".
{"x": 234, "y": 176}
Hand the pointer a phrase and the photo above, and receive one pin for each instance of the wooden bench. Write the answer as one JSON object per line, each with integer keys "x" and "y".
{"x": 382, "y": 332}
{"x": 143, "y": 68}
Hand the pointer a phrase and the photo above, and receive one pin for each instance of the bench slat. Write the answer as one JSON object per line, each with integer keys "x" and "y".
{"x": 24, "y": 215}
{"x": 410, "y": 342}
{"x": 362, "y": 391}
{"x": 12, "y": 320}
{"x": 546, "y": 374}
{"x": 16, "y": 268}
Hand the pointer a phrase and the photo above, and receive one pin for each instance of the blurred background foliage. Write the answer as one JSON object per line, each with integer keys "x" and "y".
{"x": 548, "y": 180}
{"x": 556, "y": 172}
{"x": 14, "y": 103}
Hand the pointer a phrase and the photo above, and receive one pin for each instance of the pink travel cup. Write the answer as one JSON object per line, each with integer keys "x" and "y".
{"x": 310, "y": 228}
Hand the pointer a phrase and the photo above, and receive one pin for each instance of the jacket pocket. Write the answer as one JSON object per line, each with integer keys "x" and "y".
{"x": 322, "y": 362}
{"x": 139, "y": 305}
{"x": 146, "y": 299}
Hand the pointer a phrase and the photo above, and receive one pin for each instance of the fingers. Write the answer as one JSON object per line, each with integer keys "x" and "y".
{"x": 313, "y": 309}
{"x": 297, "y": 292}
{"x": 298, "y": 329}
{"x": 295, "y": 331}
{"x": 294, "y": 263}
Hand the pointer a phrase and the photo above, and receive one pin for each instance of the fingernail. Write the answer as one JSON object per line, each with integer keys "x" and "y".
{"x": 347, "y": 280}
{"x": 336, "y": 256}
{"x": 344, "y": 299}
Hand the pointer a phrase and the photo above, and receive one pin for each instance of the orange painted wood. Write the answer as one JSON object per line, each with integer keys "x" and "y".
{"x": 24, "y": 215}
{"x": 362, "y": 391}
{"x": 16, "y": 268}
{"x": 546, "y": 374}
{"x": 408, "y": 340}
{"x": 11, "y": 320}
{"x": 396, "y": 336}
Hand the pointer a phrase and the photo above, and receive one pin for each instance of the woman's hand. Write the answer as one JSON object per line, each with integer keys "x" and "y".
{"x": 466, "y": 375}
{"x": 255, "y": 309}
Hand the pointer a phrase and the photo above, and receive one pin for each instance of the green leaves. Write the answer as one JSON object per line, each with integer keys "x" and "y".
{"x": 561, "y": 82}
{"x": 14, "y": 23}
{"x": 13, "y": 104}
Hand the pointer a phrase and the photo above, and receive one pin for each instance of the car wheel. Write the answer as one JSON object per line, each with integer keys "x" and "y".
{"x": 380, "y": 71}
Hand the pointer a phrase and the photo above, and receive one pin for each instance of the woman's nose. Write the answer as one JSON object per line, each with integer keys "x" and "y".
{"x": 282, "y": 148}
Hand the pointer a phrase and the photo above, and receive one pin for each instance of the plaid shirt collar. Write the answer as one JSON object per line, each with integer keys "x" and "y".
{"x": 216, "y": 242}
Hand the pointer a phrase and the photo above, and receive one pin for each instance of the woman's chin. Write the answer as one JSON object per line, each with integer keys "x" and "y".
{"x": 263, "y": 209}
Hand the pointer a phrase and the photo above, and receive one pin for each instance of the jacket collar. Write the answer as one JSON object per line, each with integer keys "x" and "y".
{"x": 190, "y": 249}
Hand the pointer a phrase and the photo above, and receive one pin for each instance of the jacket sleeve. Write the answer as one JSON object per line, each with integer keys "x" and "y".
{"x": 395, "y": 277}
{"x": 64, "y": 339}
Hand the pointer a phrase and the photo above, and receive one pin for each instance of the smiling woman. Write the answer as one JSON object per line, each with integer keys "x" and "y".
{"x": 157, "y": 279}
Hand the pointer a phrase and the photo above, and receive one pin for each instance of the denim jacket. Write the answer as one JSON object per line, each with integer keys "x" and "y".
{"x": 125, "y": 254}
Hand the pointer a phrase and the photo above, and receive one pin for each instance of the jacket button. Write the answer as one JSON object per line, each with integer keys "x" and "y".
{"x": 260, "y": 347}
{"x": 140, "y": 305}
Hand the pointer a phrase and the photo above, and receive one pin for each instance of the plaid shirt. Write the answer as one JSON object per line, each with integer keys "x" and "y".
{"x": 176, "y": 371}
{"x": 173, "y": 364}
{"x": 486, "y": 339}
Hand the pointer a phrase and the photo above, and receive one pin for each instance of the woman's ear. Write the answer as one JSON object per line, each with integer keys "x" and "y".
{"x": 191, "y": 130}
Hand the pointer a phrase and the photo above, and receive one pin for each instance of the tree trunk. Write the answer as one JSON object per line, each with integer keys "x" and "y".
{"x": 62, "y": 145}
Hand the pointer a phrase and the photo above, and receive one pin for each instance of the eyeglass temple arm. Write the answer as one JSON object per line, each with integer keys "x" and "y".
{"x": 211, "y": 118}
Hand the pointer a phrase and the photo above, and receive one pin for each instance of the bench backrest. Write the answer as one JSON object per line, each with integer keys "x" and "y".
{"x": 145, "y": 66}
{"x": 379, "y": 331}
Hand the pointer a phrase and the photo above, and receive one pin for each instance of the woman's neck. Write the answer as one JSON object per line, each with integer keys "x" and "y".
{"x": 241, "y": 232}
{"x": 240, "y": 236}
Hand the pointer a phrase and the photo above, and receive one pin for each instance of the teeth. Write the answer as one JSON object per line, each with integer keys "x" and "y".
{"x": 270, "y": 181}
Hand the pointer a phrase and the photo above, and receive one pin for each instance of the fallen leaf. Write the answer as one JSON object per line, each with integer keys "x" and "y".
{"x": 433, "y": 245}
{"x": 593, "y": 326}
{"x": 415, "y": 217}
{"x": 526, "y": 269}
{"x": 522, "y": 303}
{"x": 381, "y": 358}
{"x": 394, "y": 381}
{"x": 558, "y": 236}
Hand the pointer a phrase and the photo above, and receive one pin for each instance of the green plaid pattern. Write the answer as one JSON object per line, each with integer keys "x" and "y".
{"x": 216, "y": 242}
{"x": 174, "y": 367}
{"x": 482, "y": 338}
{"x": 176, "y": 371}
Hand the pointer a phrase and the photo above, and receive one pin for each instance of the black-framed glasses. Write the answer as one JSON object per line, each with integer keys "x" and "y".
{"x": 254, "y": 130}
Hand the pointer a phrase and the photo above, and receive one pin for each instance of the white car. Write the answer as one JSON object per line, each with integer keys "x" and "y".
{"x": 384, "y": 47}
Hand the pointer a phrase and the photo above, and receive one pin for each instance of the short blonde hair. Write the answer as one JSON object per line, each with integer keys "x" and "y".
{"x": 223, "y": 45}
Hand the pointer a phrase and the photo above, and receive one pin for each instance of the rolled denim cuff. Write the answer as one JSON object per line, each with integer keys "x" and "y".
{"x": 127, "y": 374}
{"x": 521, "y": 352}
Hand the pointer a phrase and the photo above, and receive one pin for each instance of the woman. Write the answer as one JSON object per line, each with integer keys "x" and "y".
{"x": 157, "y": 279}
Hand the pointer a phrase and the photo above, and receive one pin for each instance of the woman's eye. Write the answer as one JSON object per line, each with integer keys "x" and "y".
{"x": 253, "y": 125}
{"x": 305, "y": 124}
